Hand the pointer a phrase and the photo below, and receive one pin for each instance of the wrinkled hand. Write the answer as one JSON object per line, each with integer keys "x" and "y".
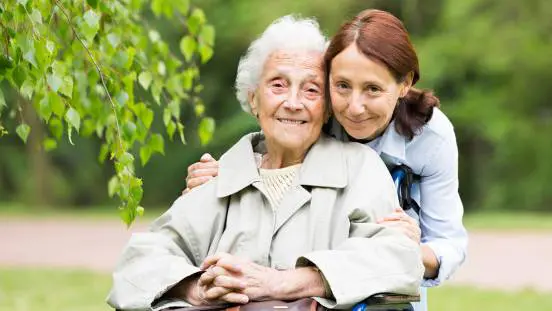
{"x": 217, "y": 286}
{"x": 201, "y": 172}
{"x": 401, "y": 221}
{"x": 227, "y": 274}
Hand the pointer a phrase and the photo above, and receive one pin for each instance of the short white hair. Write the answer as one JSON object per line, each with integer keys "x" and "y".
{"x": 286, "y": 33}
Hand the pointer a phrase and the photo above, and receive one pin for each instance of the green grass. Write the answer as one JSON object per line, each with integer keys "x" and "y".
{"x": 55, "y": 290}
{"x": 509, "y": 221}
{"x": 456, "y": 298}
{"x": 52, "y": 290}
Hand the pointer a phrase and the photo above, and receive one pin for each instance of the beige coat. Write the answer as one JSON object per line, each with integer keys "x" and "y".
{"x": 326, "y": 219}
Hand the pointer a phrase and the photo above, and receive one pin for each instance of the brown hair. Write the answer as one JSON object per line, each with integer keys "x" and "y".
{"x": 382, "y": 37}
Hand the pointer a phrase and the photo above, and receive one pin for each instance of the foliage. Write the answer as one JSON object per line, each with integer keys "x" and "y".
{"x": 97, "y": 68}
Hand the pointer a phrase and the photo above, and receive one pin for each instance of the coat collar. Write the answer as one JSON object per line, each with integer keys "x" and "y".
{"x": 324, "y": 165}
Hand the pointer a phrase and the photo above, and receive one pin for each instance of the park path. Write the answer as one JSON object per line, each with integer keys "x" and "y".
{"x": 500, "y": 260}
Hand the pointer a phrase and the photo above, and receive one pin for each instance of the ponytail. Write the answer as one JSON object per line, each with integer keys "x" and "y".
{"x": 413, "y": 111}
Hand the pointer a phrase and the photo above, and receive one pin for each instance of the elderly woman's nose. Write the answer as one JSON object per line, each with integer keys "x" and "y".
{"x": 293, "y": 102}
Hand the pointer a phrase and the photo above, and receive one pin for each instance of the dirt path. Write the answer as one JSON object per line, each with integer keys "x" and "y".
{"x": 496, "y": 259}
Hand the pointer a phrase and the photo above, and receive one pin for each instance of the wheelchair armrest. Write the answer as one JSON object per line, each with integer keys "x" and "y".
{"x": 387, "y": 301}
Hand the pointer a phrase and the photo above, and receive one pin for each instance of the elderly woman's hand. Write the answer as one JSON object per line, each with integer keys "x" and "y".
{"x": 401, "y": 221}
{"x": 201, "y": 172}
{"x": 217, "y": 285}
{"x": 226, "y": 274}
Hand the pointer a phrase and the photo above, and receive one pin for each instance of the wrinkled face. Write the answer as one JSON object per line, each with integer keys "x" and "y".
{"x": 289, "y": 100}
{"x": 364, "y": 93}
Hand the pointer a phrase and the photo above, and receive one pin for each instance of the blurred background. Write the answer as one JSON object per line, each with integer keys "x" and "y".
{"x": 489, "y": 61}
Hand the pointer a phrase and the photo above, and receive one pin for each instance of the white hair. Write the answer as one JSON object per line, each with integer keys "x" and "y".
{"x": 285, "y": 33}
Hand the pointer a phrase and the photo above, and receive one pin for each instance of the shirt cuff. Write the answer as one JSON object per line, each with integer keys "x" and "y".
{"x": 448, "y": 261}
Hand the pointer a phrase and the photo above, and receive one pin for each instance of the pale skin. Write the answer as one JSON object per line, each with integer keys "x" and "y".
{"x": 363, "y": 94}
{"x": 289, "y": 105}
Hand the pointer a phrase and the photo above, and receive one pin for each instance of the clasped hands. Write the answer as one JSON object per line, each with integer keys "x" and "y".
{"x": 231, "y": 279}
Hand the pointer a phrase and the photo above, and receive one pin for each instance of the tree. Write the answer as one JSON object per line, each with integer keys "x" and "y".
{"x": 96, "y": 68}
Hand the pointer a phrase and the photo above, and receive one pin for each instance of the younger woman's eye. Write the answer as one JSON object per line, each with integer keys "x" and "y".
{"x": 374, "y": 90}
{"x": 342, "y": 85}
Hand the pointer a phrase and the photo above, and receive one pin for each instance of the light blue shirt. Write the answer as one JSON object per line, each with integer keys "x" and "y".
{"x": 433, "y": 155}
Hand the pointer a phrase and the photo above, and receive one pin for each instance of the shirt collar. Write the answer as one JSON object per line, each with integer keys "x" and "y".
{"x": 324, "y": 165}
{"x": 391, "y": 144}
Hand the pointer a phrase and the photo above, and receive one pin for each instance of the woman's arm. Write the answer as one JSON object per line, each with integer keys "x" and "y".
{"x": 444, "y": 238}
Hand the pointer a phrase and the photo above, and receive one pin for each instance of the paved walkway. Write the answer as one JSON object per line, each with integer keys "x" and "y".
{"x": 502, "y": 260}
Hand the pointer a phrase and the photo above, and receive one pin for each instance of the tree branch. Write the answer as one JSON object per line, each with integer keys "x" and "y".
{"x": 98, "y": 69}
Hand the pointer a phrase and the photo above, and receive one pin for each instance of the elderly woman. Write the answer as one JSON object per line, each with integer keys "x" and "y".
{"x": 371, "y": 68}
{"x": 292, "y": 214}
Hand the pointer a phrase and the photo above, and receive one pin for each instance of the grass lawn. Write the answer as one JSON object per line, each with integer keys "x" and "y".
{"x": 54, "y": 290}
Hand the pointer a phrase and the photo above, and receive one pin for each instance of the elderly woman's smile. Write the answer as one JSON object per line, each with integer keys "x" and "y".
{"x": 289, "y": 100}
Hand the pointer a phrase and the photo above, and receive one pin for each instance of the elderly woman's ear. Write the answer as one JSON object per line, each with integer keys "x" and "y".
{"x": 251, "y": 98}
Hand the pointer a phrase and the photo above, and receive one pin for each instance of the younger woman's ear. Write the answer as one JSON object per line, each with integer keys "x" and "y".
{"x": 406, "y": 84}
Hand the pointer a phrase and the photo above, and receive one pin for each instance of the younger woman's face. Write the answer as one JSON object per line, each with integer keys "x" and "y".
{"x": 363, "y": 92}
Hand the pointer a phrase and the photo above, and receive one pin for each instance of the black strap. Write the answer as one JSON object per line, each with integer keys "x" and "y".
{"x": 405, "y": 187}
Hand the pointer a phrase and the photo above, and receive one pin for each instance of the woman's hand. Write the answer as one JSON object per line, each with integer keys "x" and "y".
{"x": 201, "y": 172}
{"x": 231, "y": 277}
{"x": 401, "y": 221}
{"x": 217, "y": 285}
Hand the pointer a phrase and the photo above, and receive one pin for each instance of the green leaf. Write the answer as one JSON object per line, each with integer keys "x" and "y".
{"x": 166, "y": 116}
{"x": 44, "y": 109}
{"x": 49, "y": 144}
{"x": 67, "y": 86}
{"x": 22, "y": 2}
{"x": 157, "y": 7}
{"x": 208, "y": 35}
{"x": 19, "y": 75}
{"x": 93, "y": 3}
{"x": 147, "y": 117}
{"x": 156, "y": 89}
{"x": 112, "y": 186}
{"x": 183, "y": 6}
{"x": 23, "y": 131}
{"x": 113, "y": 39}
{"x": 187, "y": 47}
{"x": 104, "y": 150}
{"x": 156, "y": 144}
{"x": 27, "y": 89}
{"x": 206, "y": 52}
{"x": 36, "y": 16}
{"x": 206, "y": 130}
{"x": 56, "y": 127}
{"x": 54, "y": 82}
{"x": 58, "y": 108}
{"x": 154, "y": 36}
{"x": 196, "y": 19}
{"x": 129, "y": 129}
{"x": 180, "y": 127}
{"x": 199, "y": 109}
{"x": 145, "y": 154}
{"x": 145, "y": 79}
{"x": 140, "y": 211}
{"x": 91, "y": 18}
{"x": 72, "y": 117}
{"x": 174, "y": 107}
{"x": 50, "y": 46}
{"x": 171, "y": 128}
{"x": 122, "y": 98}
{"x": 70, "y": 135}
